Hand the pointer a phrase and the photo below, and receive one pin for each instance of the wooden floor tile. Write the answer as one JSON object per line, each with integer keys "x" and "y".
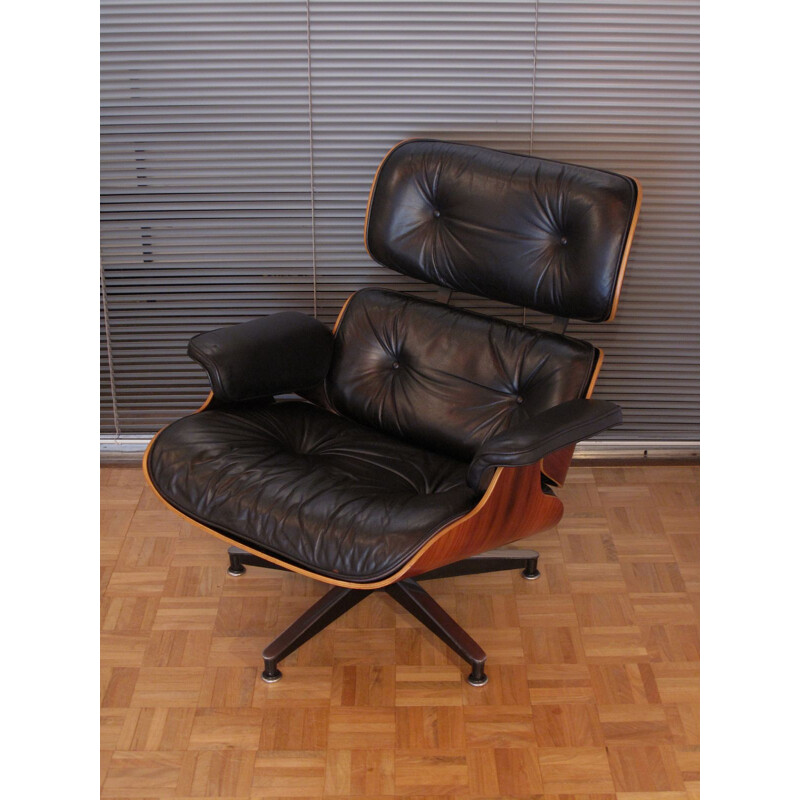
{"x": 567, "y": 725}
{"x": 288, "y": 728}
{"x": 156, "y": 729}
{"x": 593, "y": 689}
{"x": 589, "y": 577}
{"x": 431, "y": 727}
{"x": 671, "y": 642}
{"x": 647, "y": 576}
{"x": 428, "y": 686}
{"x": 296, "y": 773}
{"x": 650, "y": 768}
{"x": 359, "y": 773}
{"x": 124, "y": 649}
{"x": 186, "y": 613}
{"x": 363, "y": 685}
{"x": 559, "y": 683}
{"x": 552, "y": 645}
{"x": 503, "y": 772}
{"x": 226, "y": 729}
{"x": 142, "y": 774}
{"x": 358, "y": 727}
{"x": 117, "y": 685}
{"x": 217, "y": 773}
{"x": 168, "y": 687}
{"x": 438, "y": 772}
{"x": 575, "y": 770}
{"x": 635, "y": 724}
{"x": 227, "y": 687}
{"x": 623, "y": 683}
{"x": 678, "y": 682}
{"x": 499, "y": 726}
{"x": 589, "y": 548}
{"x": 546, "y": 611}
{"x": 128, "y": 614}
{"x": 177, "y": 649}
{"x": 112, "y": 721}
{"x": 614, "y": 643}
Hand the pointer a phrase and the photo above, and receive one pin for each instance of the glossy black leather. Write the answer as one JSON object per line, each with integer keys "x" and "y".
{"x": 285, "y": 352}
{"x": 548, "y": 431}
{"x": 308, "y": 486}
{"x": 528, "y": 231}
{"x": 444, "y": 378}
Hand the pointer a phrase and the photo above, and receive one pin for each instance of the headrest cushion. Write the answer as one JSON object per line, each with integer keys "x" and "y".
{"x": 542, "y": 234}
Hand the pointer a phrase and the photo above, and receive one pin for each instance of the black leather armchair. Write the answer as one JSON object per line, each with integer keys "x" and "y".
{"x": 426, "y": 436}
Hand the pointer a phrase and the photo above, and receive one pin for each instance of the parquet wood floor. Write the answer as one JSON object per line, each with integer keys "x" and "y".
{"x": 593, "y": 669}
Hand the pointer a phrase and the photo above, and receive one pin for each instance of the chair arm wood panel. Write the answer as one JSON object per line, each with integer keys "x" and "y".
{"x": 555, "y": 465}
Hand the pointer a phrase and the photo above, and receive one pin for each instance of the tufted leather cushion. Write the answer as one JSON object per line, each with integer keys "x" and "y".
{"x": 310, "y": 487}
{"x": 528, "y": 231}
{"x": 445, "y": 378}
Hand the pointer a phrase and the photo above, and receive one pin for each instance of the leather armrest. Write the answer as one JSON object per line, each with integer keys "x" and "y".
{"x": 550, "y": 430}
{"x": 285, "y": 352}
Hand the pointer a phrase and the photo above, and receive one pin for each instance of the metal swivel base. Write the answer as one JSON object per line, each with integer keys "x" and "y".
{"x": 407, "y": 592}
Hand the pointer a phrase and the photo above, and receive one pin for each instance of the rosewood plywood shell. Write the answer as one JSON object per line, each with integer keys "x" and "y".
{"x": 514, "y": 507}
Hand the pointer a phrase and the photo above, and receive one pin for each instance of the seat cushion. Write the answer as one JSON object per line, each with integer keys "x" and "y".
{"x": 308, "y": 486}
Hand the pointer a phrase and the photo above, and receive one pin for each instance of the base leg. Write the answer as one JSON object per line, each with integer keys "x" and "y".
{"x": 319, "y": 616}
{"x": 418, "y": 602}
{"x": 491, "y": 561}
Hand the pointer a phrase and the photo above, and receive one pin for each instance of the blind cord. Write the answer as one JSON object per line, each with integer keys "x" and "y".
{"x": 108, "y": 352}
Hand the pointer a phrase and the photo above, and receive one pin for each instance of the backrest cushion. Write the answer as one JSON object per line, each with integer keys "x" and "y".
{"x": 446, "y": 378}
{"x": 524, "y": 230}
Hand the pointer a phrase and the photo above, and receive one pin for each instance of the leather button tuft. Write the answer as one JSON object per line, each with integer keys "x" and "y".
{"x": 563, "y": 240}
{"x": 396, "y": 365}
{"x": 437, "y": 213}
{"x": 520, "y": 399}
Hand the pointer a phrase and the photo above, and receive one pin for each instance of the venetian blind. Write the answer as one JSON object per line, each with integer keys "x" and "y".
{"x": 206, "y": 185}
{"x": 240, "y": 141}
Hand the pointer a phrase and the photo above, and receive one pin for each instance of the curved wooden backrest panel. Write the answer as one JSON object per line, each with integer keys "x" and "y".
{"x": 626, "y": 252}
